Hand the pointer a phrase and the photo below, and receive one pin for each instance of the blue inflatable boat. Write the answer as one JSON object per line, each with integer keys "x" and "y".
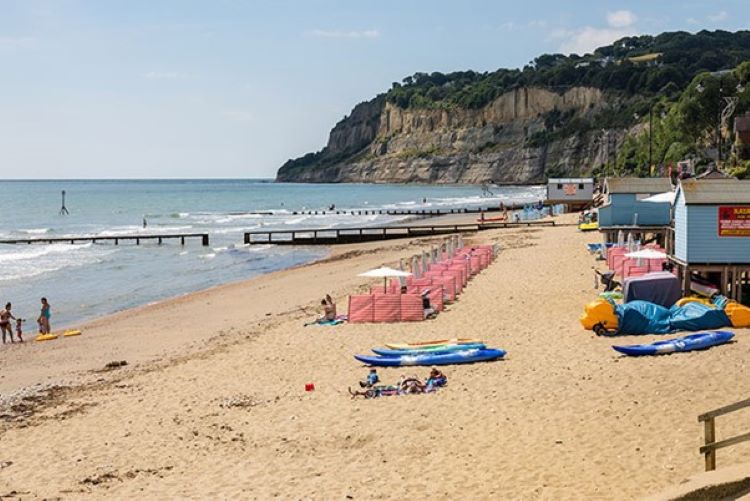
{"x": 456, "y": 357}
{"x": 699, "y": 341}
{"x": 450, "y": 348}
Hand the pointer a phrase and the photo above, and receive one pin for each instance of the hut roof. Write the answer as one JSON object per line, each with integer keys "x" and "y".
{"x": 715, "y": 191}
{"x": 638, "y": 184}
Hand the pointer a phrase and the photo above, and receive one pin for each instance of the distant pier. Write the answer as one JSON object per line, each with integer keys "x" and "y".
{"x": 326, "y": 236}
{"x": 111, "y": 238}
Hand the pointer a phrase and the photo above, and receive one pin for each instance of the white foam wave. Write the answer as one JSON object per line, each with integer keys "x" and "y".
{"x": 40, "y": 259}
{"x": 36, "y": 231}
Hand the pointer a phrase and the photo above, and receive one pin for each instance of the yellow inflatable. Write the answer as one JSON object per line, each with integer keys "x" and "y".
{"x": 72, "y": 333}
{"x": 588, "y": 226}
{"x": 45, "y": 337}
{"x": 694, "y": 299}
{"x": 738, "y": 314}
{"x": 599, "y": 311}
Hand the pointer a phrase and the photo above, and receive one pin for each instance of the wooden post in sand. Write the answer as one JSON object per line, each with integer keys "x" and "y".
{"x": 709, "y": 427}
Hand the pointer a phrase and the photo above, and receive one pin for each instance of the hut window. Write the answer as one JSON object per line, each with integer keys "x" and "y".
{"x": 559, "y": 186}
{"x": 580, "y": 186}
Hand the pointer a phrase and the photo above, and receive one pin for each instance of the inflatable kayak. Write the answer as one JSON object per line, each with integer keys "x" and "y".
{"x": 72, "y": 333}
{"x": 456, "y": 357}
{"x": 588, "y": 226}
{"x": 431, "y": 344}
{"x": 447, "y": 348}
{"x": 698, "y": 341}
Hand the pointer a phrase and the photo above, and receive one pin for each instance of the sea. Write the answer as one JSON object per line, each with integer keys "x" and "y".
{"x": 89, "y": 280}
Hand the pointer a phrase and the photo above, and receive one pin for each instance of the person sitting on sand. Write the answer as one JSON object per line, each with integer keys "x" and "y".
{"x": 436, "y": 378}
{"x": 19, "y": 328}
{"x": 372, "y": 379}
{"x": 429, "y": 311}
{"x": 329, "y": 309}
{"x": 5, "y": 317}
{"x": 44, "y": 323}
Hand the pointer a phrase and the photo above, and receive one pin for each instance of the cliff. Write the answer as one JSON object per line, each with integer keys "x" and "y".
{"x": 513, "y": 139}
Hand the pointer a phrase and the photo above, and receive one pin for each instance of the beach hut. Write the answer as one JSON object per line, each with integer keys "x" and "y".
{"x": 626, "y": 208}
{"x": 712, "y": 235}
{"x": 575, "y": 193}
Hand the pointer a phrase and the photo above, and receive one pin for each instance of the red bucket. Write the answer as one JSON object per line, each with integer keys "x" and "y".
{"x": 309, "y": 387}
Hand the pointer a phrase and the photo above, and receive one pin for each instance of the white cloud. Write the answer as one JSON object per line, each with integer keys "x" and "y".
{"x": 537, "y": 23}
{"x": 345, "y": 34}
{"x": 508, "y": 26}
{"x": 692, "y": 20}
{"x": 621, "y": 19}
{"x": 620, "y": 24}
{"x": 164, "y": 75}
{"x": 719, "y": 16}
{"x": 584, "y": 41}
{"x": 15, "y": 43}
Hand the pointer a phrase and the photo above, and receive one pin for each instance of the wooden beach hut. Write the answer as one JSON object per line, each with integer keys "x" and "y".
{"x": 626, "y": 210}
{"x": 575, "y": 193}
{"x": 712, "y": 234}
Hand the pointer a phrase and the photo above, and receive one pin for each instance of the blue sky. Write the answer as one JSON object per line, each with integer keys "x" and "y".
{"x": 182, "y": 88}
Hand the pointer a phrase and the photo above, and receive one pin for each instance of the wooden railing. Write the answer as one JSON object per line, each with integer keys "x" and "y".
{"x": 710, "y": 447}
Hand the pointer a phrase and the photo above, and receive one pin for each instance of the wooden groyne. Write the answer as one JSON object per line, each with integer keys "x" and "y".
{"x": 110, "y": 238}
{"x": 326, "y": 236}
{"x": 406, "y": 212}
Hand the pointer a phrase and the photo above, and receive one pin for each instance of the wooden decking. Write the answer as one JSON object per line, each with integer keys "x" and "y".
{"x": 325, "y": 236}
{"x": 111, "y": 238}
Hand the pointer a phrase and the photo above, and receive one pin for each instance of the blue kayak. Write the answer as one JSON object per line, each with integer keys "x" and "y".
{"x": 456, "y": 357}
{"x": 698, "y": 341}
{"x": 450, "y": 348}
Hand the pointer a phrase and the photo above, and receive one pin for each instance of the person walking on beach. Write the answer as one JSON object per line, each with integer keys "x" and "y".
{"x": 5, "y": 318}
{"x": 44, "y": 316}
{"x": 145, "y": 223}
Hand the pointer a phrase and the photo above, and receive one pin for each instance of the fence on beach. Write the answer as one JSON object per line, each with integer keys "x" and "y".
{"x": 710, "y": 444}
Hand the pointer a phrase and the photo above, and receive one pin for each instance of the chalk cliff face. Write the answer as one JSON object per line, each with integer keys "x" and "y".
{"x": 382, "y": 143}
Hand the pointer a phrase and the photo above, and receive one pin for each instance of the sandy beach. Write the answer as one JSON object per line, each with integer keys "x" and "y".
{"x": 212, "y": 401}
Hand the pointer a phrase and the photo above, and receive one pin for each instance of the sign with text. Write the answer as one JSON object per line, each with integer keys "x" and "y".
{"x": 734, "y": 221}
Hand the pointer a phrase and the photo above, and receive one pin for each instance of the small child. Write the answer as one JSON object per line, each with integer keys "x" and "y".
{"x": 372, "y": 379}
{"x": 19, "y": 328}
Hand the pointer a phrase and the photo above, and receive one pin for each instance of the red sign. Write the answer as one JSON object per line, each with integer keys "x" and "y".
{"x": 570, "y": 189}
{"x": 734, "y": 221}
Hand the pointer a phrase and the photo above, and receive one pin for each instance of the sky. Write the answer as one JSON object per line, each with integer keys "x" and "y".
{"x": 229, "y": 88}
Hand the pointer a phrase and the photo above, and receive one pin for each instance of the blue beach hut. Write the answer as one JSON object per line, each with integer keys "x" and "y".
{"x": 712, "y": 234}
{"x": 625, "y": 209}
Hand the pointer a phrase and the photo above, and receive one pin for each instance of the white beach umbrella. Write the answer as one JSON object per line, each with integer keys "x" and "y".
{"x": 425, "y": 262}
{"x": 631, "y": 243}
{"x": 620, "y": 238}
{"x": 646, "y": 254}
{"x": 384, "y": 272}
{"x": 666, "y": 197}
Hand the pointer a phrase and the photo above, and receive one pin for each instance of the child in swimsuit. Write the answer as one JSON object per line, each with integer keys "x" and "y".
{"x": 372, "y": 379}
{"x": 19, "y": 328}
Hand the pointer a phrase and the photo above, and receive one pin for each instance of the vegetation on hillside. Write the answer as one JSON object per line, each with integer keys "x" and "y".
{"x": 641, "y": 65}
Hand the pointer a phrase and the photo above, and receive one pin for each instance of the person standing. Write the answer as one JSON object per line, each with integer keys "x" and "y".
{"x": 46, "y": 313}
{"x": 5, "y": 326}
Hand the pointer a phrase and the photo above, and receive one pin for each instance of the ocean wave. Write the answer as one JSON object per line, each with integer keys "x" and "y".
{"x": 38, "y": 260}
{"x": 35, "y": 231}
